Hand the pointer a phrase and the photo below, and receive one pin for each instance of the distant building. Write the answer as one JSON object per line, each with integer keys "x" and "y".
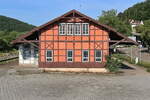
{"x": 135, "y": 23}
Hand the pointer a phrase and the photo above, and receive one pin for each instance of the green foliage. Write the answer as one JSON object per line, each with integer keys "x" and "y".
{"x": 10, "y": 24}
{"x": 145, "y": 33}
{"x": 144, "y": 27}
{"x": 144, "y": 64}
{"x": 124, "y": 58}
{"x": 113, "y": 64}
{"x": 12, "y": 52}
{"x": 139, "y": 11}
{"x": 146, "y": 38}
{"x": 6, "y": 38}
{"x": 10, "y": 29}
{"x": 110, "y": 18}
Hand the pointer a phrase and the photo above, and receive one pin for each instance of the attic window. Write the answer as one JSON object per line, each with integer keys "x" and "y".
{"x": 74, "y": 29}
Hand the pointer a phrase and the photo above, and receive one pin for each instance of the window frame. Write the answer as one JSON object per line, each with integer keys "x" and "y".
{"x": 26, "y": 51}
{"x": 69, "y": 57}
{"x": 98, "y": 57}
{"x": 86, "y": 28}
{"x": 68, "y": 27}
{"x": 85, "y": 57}
{"x": 49, "y": 57}
{"x": 63, "y": 30}
{"x": 76, "y": 30}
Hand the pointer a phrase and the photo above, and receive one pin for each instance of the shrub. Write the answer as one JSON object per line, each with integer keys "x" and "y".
{"x": 113, "y": 64}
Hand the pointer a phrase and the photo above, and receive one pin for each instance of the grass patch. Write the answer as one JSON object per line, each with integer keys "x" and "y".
{"x": 144, "y": 64}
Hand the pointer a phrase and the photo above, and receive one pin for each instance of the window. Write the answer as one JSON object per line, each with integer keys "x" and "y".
{"x": 26, "y": 51}
{"x": 98, "y": 55}
{"x": 77, "y": 30}
{"x": 73, "y": 29}
{"x": 62, "y": 29}
{"x": 70, "y": 28}
{"x": 49, "y": 55}
{"x": 85, "y": 55}
{"x": 36, "y": 52}
{"x": 69, "y": 56}
{"x": 85, "y": 28}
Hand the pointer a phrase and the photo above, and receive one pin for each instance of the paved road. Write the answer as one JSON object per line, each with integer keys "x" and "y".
{"x": 75, "y": 87}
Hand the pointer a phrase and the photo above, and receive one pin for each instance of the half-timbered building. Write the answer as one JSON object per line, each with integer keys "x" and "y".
{"x": 71, "y": 41}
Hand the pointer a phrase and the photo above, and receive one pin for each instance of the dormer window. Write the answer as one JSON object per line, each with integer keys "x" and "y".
{"x": 74, "y": 29}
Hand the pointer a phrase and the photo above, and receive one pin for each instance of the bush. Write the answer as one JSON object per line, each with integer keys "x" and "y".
{"x": 113, "y": 64}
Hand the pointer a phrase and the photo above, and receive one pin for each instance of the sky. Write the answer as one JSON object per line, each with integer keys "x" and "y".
{"x": 38, "y": 12}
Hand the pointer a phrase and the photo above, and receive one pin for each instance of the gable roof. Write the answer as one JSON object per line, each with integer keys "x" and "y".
{"x": 66, "y": 14}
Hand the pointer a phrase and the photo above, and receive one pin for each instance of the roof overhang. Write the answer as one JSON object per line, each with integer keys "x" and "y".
{"x": 109, "y": 29}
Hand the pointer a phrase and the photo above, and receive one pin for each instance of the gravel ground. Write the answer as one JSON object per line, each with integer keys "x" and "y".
{"x": 59, "y": 86}
{"x": 133, "y": 85}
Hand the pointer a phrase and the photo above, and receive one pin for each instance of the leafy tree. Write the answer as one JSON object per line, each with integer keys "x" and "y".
{"x": 10, "y": 29}
{"x": 5, "y": 39}
{"x": 139, "y": 11}
{"x": 3, "y": 44}
{"x": 146, "y": 38}
{"x": 145, "y": 33}
{"x": 111, "y": 18}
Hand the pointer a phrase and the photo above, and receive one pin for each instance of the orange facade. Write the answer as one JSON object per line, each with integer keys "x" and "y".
{"x": 73, "y": 40}
{"x": 50, "y": 39}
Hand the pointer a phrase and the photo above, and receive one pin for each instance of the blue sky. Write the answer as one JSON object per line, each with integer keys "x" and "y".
{"x": 38, "y": 12}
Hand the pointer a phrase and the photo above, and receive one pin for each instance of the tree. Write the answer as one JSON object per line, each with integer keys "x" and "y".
{"x": 5, "y": 39}
{"x": 146, "y": 38}
{"x": 139, "y": 11}
{"x": 145, "y": 33}
{"x": 111, "y": 18}
{"x": 11, "y": 24}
